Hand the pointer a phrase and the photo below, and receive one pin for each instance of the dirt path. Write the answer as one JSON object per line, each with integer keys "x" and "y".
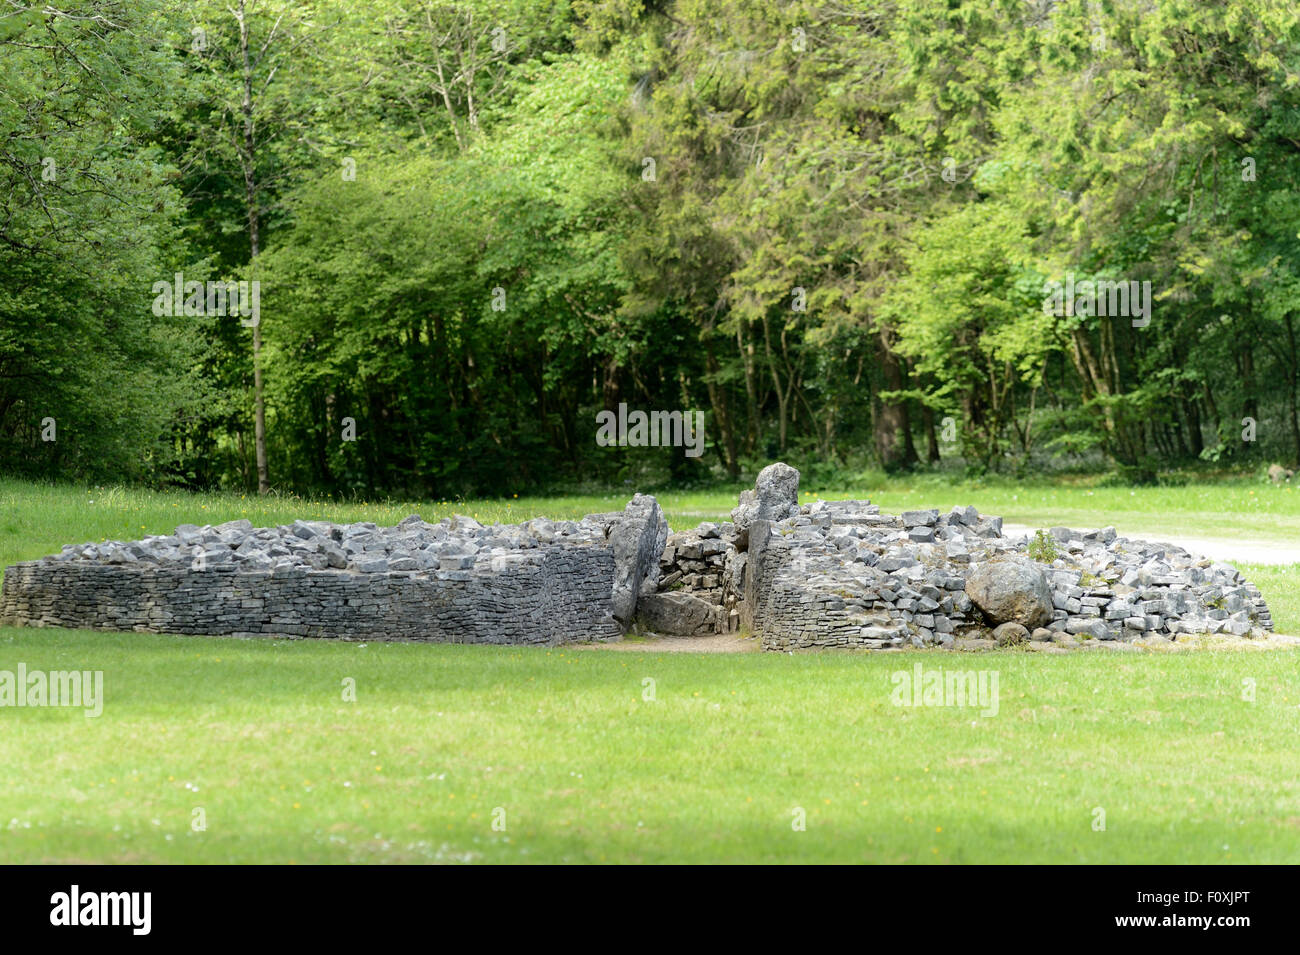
{"x": 713, "y": 643}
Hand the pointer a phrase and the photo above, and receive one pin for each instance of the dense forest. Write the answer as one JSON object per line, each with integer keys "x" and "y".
{"x": 414, "y": 246}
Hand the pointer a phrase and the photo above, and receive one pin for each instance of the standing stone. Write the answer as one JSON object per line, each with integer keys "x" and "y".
{"x": 752, "y": 573}
{"x": 774, "y": 498}
{"x": 637, "y": 541}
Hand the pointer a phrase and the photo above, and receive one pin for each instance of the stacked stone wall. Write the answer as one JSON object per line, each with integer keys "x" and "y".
{"x": 830, "y": 574}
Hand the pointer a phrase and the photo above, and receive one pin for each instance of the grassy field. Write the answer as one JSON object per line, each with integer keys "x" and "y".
{"x": 561, "y": 746}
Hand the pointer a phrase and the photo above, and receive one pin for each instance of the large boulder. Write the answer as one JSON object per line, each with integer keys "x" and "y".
{"x": 774, "y": 498}
{"x": 637, "y": 540}
{"x": 678, "y": 614}
{"x": 1012, "y": 590}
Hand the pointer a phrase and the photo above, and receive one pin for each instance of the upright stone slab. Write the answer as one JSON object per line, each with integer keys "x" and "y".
{"x": 637, "y": 541}
{"x": 775, "y": 497}
{"x": 753, "y": 584}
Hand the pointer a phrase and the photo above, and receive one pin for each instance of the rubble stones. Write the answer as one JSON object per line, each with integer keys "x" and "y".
{"x": 705, "y": 564}
{"x": 841, "y": 574}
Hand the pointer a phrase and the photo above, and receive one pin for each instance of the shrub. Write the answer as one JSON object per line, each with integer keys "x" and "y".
{"x": 1043, "y": 547}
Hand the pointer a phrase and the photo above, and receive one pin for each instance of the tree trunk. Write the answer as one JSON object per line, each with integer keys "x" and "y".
{"x": 1096, "y": 382}
{"x": 1250, "y": 408}
{"x": 931, "y": 436}
{"x": 893, "y": 425}
{"x": 781, "y": 405}
{"x": 1292, "y": 381}
{"x": 247, "y": 157}
{"x": 1212, "y": 408}
{"x": 746, "y": 349}
{"x": 718, "y": 399}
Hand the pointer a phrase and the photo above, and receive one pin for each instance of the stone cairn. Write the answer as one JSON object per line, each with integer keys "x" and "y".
{"x": 456, "y": 581}
{"x": 841, "y": 574}
{"x": 825, "y": 574}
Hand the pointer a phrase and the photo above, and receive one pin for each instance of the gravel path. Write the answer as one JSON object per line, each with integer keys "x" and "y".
{"x": 1215, "y": 548}
{"x": 713, "y": 643}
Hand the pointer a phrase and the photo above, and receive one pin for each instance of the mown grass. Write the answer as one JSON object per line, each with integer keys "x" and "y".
{"x": 1280, "y": 585}
{"x": 561, "y": 745}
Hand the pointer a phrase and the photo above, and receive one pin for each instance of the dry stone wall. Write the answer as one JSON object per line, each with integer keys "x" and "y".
{"x": 541, "y": 582}
{"x": 698, "y": 590}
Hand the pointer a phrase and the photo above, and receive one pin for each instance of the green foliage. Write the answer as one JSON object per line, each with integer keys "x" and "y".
{"x": 1043, "y": 547}
{"x": 90, "y": 221}
{"x": 826, "y": 226}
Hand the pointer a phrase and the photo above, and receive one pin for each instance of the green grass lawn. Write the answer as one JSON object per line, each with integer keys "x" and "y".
{"x": 443, "y": 738}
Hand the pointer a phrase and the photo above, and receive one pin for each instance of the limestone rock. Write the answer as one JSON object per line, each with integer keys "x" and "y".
{"x": 1011, "y": 590}
{"x": 678, "y": 614}
{"x": 637, "y": 541}
{"x": 1008, "y": 634}
{"x": 775, "y": 497}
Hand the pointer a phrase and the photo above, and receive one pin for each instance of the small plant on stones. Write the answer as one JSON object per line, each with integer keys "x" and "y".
{"x": 1043, "y": 547}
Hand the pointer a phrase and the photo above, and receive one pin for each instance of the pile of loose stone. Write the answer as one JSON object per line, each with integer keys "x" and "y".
{"x": 453, "y": 549}
{"x": 697, "y": 566}
{"x": 841, "y": 574}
